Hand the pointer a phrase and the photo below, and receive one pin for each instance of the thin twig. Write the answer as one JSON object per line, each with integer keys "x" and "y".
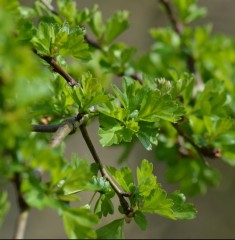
{"x": 21, "y": 225}
{"x": 24, "y": 211}
{"x": 45, "y": 128}
{"x": 204, "y": 152}
{"x": 182, "y": 133}
{"x": 185, "y": 136}
{"x": 58, "y": 69}
{"x": 179, "y": 29}
{"x": 92, "y": 43}
{"x": 127, "y": 209}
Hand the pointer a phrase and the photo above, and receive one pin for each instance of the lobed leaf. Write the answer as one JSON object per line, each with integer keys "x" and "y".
{"x": 79, "y": 223}
{"x": 113, "y": 230}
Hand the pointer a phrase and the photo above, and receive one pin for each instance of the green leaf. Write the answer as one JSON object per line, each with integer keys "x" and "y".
{"x": 44, "y": 38}
{"x": 144, "y": 139}
{"x": 76, "y": 46}
{"x": 11, "y": 6}
{"x": 189, "y": 11}
{"x": 165, "y": 36}
{"x": 113, "y": 230}
{"x": 4, "y": 206}
{"x": 148, "y": 134}
{"x": 37, "y": 194}
{"x": 96, "y": 22}
{"x": 212, "y": 100}
{"x": 117, "y": 58}
{"x": 79, "y": 223}
{"x": 146, "y": 180}
{"x": 111, "y": 136}
{"x": 158, "y": 203}
{"x": 112, "y": 110}
{"x": 115, "y": 26}
{"x": 67, "y": 9}
{"x": 102, "y": 185}
{"x": 217, "y": 126}
{"x": 103, "y": 206}
{"x": 26, "y": 30}
{"x": 113, "y": 132}
{"x": 154, "y": 198}
{"x": 76, "y": 179}
{"x": 180, "y": 209}
{"x": 44, "y": 158}
{"x": 142, "y": 108}
{"x": 161, "y": 107}
{"x": 90, "y": 94}
{"x": 53, "y": 39}
{"x": 123, "y": 177}
{"x": 229, "y": 154}
{"x": 194, "y": 177}
{"x": 140, "y": 220}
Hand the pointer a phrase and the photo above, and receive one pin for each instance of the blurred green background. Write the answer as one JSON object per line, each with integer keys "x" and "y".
{"x": 215, "y": 218}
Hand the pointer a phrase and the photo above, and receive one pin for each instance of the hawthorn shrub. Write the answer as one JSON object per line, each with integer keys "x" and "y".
{"x": 177, "y": 100}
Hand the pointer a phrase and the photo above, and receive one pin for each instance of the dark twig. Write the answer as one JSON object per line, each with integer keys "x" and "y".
{"x": 186, "y": 136}
{"x": 45, "y": 128}
{"x": 179, "y": 29}
{"x": 61, "y": 130}
{"x": 24, "y": 211}
{"x": 49, "y": 6}
{"x": 136, "y": 76}
{"x": 92, "y": 43}
{"x": 58, "y": 69}
{"x": 127, "y": 210}
{"x": 204, "y": 152}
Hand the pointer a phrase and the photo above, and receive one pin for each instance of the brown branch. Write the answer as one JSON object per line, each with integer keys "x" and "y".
{"x": 127, "y": 209}
{"x": 58, "y": 69}
{"x": 91, "y": 42}
{"x": 62, "y": 132}
{"x": 67, "y": 127}
{"x": 24, "y": 210}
